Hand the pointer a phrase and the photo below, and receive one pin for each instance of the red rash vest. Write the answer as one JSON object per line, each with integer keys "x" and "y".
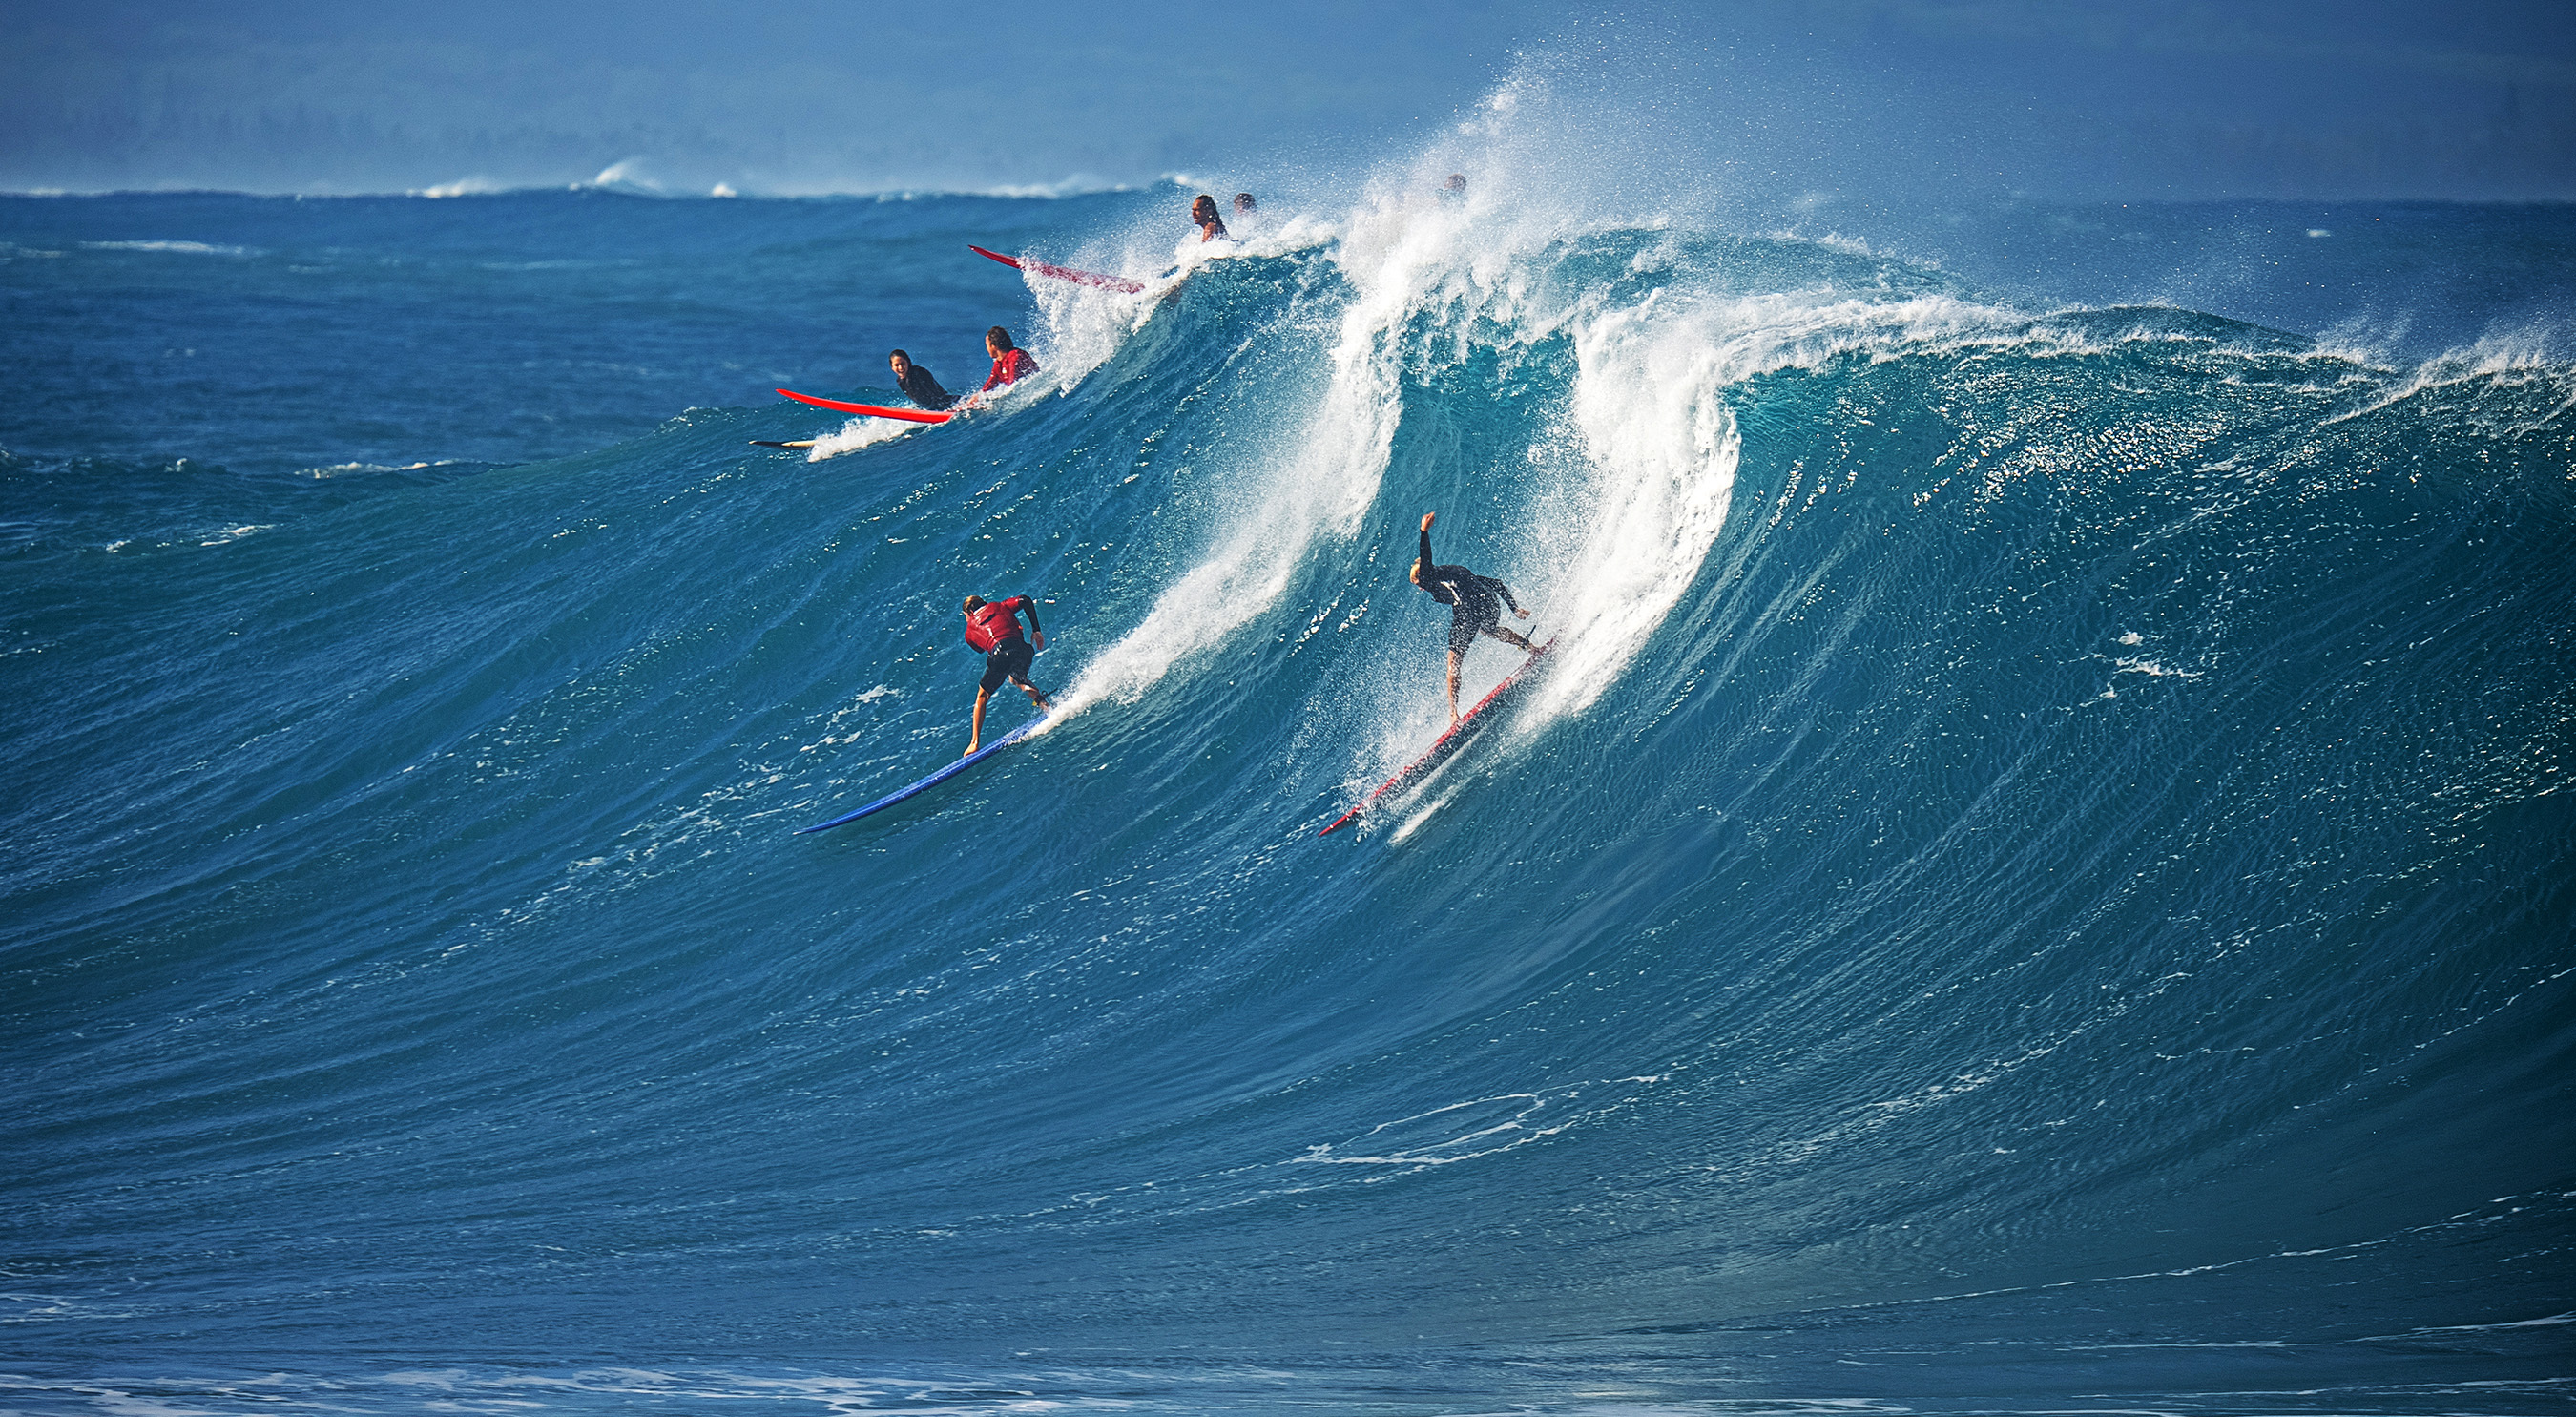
{"x": 1013, "y": 366}
{"x": 992, "y": 624}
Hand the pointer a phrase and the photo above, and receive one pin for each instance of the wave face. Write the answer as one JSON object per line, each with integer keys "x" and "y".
{"x": 2039, "y": 868}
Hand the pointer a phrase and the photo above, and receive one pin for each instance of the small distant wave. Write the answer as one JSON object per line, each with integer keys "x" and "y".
{"x": 461, "y": 187}
{"x": 185, "y": 248}
{"x": 349, "y": 468}
{"x": 2533, "y": 357}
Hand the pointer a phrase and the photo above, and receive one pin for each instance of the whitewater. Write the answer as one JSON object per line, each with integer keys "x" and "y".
{"x": 2037, "y": 878}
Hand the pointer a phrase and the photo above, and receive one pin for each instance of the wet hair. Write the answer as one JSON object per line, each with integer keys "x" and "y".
{"x": 1202, "y": 203}
{"x": 973, "y": 604}
{"x": 1243, "y": 201}
{"x": 1457, "y": 182}
{"x": 899, "y": 354}
{"x": 1000, "y": 336}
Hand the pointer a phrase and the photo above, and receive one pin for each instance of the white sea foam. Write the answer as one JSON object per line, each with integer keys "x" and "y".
{"x": 1662, "y": 447}
{"x": 1650, "y": 447}
{"x": 1318, "y": 487}
{"x": 461, "y": 187}
{"x": 1330, "y": 482}
{"x": 1626, "y": 495}
{"x": 1081, "y": 326}
{"x": 2531, "y": 356}
{"x": 862, "y": 432}
{"x": 184, "y": 248}
{"x": 630, "y": 175}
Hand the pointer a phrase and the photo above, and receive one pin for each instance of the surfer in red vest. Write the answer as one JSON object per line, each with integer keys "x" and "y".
{"x": 993, "y": 630}
{"x": 1474, "y": 608}
{"x": 1010, "y": 363}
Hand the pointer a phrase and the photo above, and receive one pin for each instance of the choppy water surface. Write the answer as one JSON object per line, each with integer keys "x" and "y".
{"x": 2037, "y": 881}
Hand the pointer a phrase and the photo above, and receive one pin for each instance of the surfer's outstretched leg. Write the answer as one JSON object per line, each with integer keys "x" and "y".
{"x": 1034, "y": 696}
{"x": 1453, "y": 688}
{"x": 1511, "y": 637}
{"x": 976, "y": 738}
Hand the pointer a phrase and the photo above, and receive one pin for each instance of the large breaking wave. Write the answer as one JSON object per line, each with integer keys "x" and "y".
{"x": 2045, "y": 830}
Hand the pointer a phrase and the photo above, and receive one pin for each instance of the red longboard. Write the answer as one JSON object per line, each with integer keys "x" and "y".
{"x": 1441, "y": 747}
{"x": 1120, "y": 284}
{"x": 909, "y": 415}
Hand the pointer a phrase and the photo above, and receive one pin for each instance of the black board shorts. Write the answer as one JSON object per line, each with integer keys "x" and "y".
{"x": 1009, "y": 660}
{"x": 1468, "y": 621}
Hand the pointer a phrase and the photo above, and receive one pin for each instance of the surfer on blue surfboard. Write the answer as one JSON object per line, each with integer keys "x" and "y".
{"x": 993, "y": 630}
{"x": 1473, "y": 607}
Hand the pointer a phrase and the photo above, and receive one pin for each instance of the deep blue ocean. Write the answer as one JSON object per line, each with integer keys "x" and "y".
{"x": 2038, "y": 878}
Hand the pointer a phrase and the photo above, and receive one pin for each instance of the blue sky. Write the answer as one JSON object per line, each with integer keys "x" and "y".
{"x": 2360, "y": 99}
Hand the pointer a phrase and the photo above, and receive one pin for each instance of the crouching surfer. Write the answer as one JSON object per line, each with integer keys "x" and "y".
{"x": 1475, "y": 607}
{"x": 993, "y": 630}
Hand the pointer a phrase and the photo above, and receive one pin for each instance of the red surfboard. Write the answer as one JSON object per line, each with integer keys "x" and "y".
{"x": 909, "y": 415}
{"x": 1441, "y": 747}
{"x": 1120, "y": 284}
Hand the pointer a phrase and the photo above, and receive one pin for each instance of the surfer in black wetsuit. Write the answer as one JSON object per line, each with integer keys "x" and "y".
{"x": 1473, "y": 604}
{"x": 917, "y": 385}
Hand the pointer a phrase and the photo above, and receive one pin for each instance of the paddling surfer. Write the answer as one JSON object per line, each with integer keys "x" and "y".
{"x": 1010, "y": 364}
{"x": 1475, "y": 607}
{"x": 993, "y": 630}
{"x": 917, "y": 383}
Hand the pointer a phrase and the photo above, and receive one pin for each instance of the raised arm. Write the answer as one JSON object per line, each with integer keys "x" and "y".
{"x": 1422, "y": 567}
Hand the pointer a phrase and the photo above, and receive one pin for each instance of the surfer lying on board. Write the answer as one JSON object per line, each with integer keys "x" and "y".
{"x": 1473, "y": 609}
{"x": 993, "y": 630}
{"x": 917, "y": 384}
{"x": 1011, "y": 363}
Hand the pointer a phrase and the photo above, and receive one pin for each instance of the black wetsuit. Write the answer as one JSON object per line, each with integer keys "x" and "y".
{"x": 918, "y": 386}
{"x": 1470, "y": 597}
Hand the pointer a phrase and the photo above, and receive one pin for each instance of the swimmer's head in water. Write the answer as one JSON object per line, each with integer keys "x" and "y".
{"x": 899, "y": 362}
{"x": 974, "y": 603}
{"x": 1203, "y": 209}
{"x": 1243, "y": 201}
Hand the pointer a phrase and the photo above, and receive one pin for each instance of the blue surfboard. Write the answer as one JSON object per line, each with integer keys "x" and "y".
{"x": 962, "y": 764}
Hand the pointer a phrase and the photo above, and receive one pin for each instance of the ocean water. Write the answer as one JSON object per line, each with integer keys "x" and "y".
{"x": 2037, "y": 880}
